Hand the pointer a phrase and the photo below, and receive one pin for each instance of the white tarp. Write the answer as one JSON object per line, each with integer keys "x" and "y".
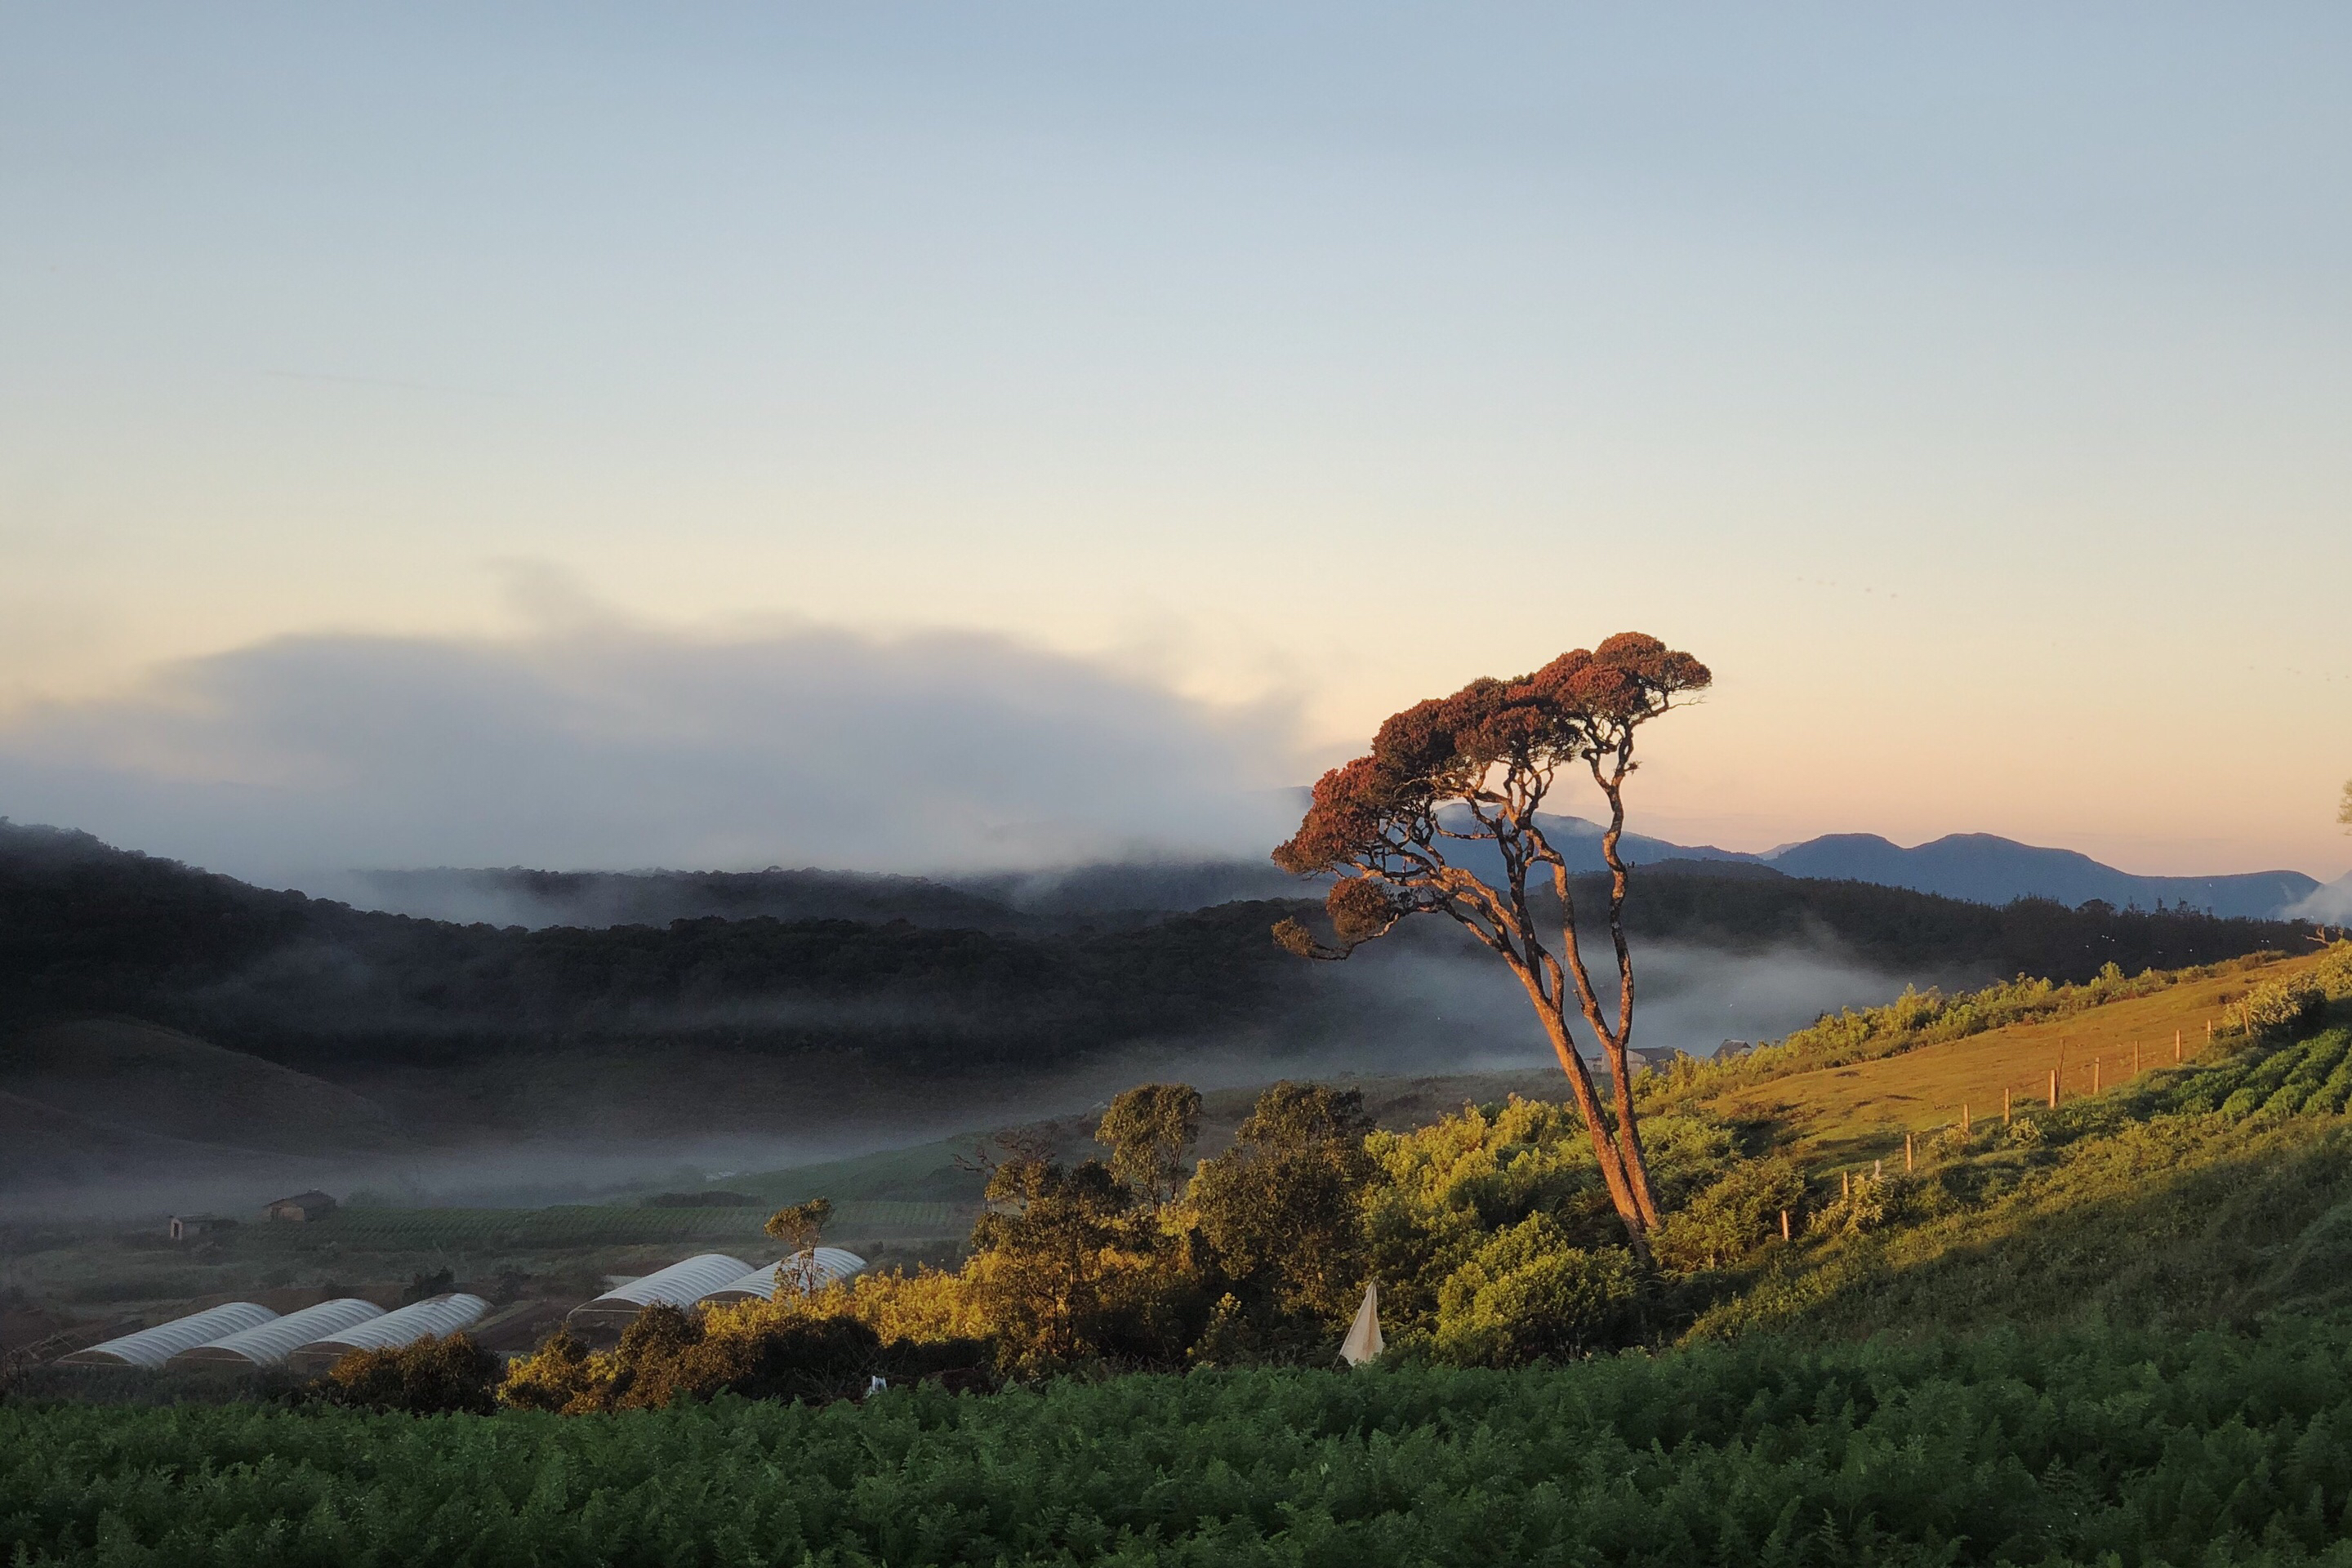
{"x": 807, "y": 1271}
{"x": 1363, "y": 1342}
{"x": 403, "y": 1326}
{"x": 154, "y": 1347}
{"x": 682, "y": 1284}
{"x": 273, "y": 1341}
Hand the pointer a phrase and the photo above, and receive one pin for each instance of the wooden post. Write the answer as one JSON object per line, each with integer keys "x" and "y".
{"x": 1907, "y": 1153}
{"x": 1845, "y": 1184}
{"x": 2004, "y": 1106}
{"x": 1878, "y": 1169}
{"x": 2053, "y": 1088}
{"x": 2095, "y": 1062}
{"x": 2176, "y": 1047}
{"x": 1784, "y": 1225}
{"x": 2208, "y": 1034}
{"x": 1964, "y": 1120}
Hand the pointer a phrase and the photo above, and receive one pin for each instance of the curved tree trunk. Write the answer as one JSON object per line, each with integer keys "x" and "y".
{"x": 1638, "y": 1217}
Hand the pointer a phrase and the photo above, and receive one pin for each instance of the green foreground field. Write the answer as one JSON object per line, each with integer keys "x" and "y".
{"x": 2102, "y": 1444}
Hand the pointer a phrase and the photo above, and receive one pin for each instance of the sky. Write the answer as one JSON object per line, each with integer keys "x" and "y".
{"x": 905, "y": 436}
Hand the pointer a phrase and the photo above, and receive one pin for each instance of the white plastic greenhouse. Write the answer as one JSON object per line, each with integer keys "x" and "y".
{"x": 154, "y": 1347}
{"x": 273, "y": 1341}
{"x": 679, "y": 1285}
{"x": 403, "y": 1326}
{"x": 808, "y": 1271}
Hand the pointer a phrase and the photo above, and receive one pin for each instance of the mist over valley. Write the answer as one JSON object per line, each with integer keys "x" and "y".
{"x": 177, "y": 1038}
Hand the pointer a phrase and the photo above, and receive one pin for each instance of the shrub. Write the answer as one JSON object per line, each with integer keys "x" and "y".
{"x": 428, "y": 1377}
{"x": 560, "y": 1375}
{"x": 2283, "y": 1007}
{"x": 1730, "y": 1218}
{"x": 759, "y": 1349}
{"x": 1528, "y": 1295}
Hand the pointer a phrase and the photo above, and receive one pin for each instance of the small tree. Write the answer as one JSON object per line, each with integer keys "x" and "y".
{"x": 1475, "y": 767}
{"x": 1282, "y": 1209}
{"x": 1149, "y": 1129}
{"x": 800, "y": 1227}
{"x": 1068, "y": 1268}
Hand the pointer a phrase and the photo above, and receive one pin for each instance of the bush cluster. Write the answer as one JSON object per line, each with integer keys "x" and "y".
{"x": 430, "y": 1376}
{"x": 2283, "y": 1007}
{"x": 1488, "y": 1232}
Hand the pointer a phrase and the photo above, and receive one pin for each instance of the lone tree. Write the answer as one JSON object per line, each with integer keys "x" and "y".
{"x": 1473, "y": 769}
{"x": 1149, "y": 1129}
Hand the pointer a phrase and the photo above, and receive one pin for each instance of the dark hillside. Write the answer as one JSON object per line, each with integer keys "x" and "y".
{"x": 516, "y": 896}
{"x": 85, "y": 929}
{"x": 1899, "y": 930}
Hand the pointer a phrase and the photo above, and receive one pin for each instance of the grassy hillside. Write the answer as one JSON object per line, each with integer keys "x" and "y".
{"x": 145, "y": 1078}
{"x": 2215, "y": 1192}
{"x": 1852, "y": 1110}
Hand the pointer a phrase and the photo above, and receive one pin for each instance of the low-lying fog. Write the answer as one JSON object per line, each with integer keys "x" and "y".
{"x": 1411, "y": 1009}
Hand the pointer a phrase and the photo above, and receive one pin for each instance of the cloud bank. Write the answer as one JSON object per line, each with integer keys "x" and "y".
{"x": 2330, "y": 902}
{"x": 600, "y": 746}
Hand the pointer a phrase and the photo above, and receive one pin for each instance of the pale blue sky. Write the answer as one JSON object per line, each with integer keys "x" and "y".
{"x": 1971, "y": 390}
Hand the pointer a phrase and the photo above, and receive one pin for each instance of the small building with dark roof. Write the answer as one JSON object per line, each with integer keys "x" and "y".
{"x": 309, "y": 1205}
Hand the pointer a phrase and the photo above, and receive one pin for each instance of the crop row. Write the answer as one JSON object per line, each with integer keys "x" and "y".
{"x": 2100, "y": 1445}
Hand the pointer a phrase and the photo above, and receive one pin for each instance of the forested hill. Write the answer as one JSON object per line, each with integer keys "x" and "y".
{"x": 85, "y": 929}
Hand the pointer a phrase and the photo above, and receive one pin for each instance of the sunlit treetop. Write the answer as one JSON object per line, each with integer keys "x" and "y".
{"x": 1495, "y": 745}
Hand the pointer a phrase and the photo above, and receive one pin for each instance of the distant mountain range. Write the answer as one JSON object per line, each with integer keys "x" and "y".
{"x": 1987, "y": 869}
{"x": 1982, "y": 868}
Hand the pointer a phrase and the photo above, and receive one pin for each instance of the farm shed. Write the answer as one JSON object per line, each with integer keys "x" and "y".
{"x": 185, "y": 1226}
{"x": 273, "y": 1341}
{"x": 406, "y": 1325}
{"x": 313, "y": 1205}
{"x": 679, "y": 1285}
{"x": 154, "y": 1347}
{"x": 811, "y": 1271}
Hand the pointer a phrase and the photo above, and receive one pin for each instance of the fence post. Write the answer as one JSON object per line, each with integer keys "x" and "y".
{"x": 1878, "y": 1169}
{"x": 2095, "y": 1062}
{"x": 1907, "y": 1153}
{"x": 1964, "y": 1121}
{"x": 1845, "y": 1184}
{"x": 2004, "y": 1107}
{"x": 2176, "y": 1047}
{"x": 2053, "y": 1088}
{"x": 1784, "y": 1225}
